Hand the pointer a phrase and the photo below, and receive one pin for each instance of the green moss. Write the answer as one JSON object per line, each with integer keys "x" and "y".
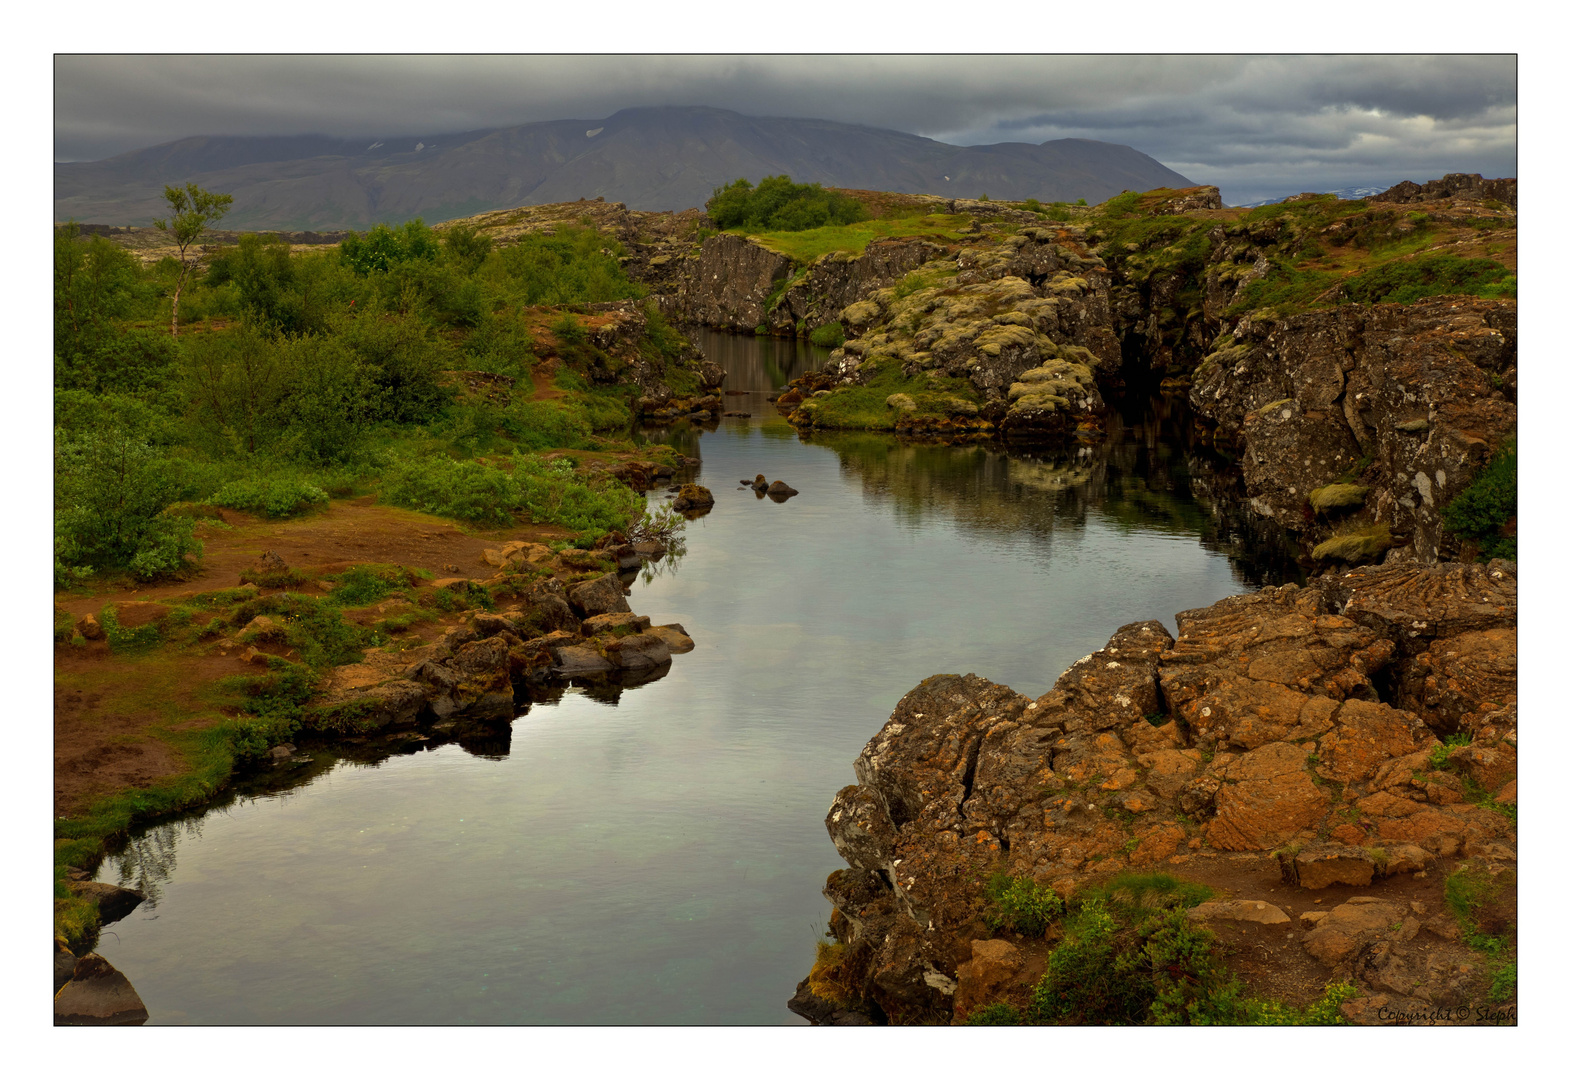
{"x": 1338, "y": 497}
{"x": 1363, "y": 545}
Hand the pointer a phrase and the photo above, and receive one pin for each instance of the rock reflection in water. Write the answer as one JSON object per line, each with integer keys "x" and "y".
{"x": 1141, "y": 476}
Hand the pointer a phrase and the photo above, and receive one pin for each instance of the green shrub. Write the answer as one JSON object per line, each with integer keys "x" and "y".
{"x": 362, "y": 585}
{"x": 546, "y": 425}
{"x": 778, "y": 205}
{"x": 111, "y": 486}
{"x": 271, "y": 496}
{"x": 1021, "y": 905}
{"x": 1163, "y": 971}
{"x": 549, "y": 492}
{"x": 466, "y": 490}
{"x": 383, "y": 248}
{"x": 1487, "y": 508}
{"x": 1442, "y": 752}
{"x": 829, "y": 336}
{"x": 572, "y": 266}
{"x": 998, "y": 1013}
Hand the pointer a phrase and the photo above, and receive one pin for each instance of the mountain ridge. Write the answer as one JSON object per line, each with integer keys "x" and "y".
{"x": 658, "y": 157}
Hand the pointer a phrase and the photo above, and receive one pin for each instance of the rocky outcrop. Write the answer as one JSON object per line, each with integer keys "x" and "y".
{"x": 1469, "y": 186}
{"x": 819, "y": 292}
{"x": 1264, "y": 726}
{"x": 1409, "y": 401}
{"x": 476, "y": 668}
{"x": 729, "y": 282}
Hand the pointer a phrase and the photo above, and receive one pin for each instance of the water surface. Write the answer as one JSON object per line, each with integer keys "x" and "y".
{"x": 658, "y": 860}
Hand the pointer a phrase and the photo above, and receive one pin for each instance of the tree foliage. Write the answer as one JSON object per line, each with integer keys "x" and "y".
{"x": 192, "y": 211}
{"x": 383, "y": 248}
{"x": 778, "y": 205}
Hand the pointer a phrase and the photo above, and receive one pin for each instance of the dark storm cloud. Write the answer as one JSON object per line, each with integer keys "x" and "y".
{"x": 1256, "y": 125}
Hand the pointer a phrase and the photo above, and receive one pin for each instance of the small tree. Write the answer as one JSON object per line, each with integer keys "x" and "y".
{"x": 192, "y": 212}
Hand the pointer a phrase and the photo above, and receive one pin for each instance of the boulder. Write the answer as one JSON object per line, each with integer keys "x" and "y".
{"x": 612, "y": 621}
{"x": 598, "y": 596}
{"x": 65, "y": 964}
{"x": 780, "y": 491}
{"x": 114, "y": 902}
{"x": 1266, "y": 799}
{"x": 579, "y": 660}
{"x": 637, "y": 651}
{"x": 1251, "y": 911}
{"x": 674, "y": 636}
{"x": 693, "y": 497}
{"x": 1350, "y": 926}
{"x": 90, "y": 628}
{"x": 1320, "y": 865}
{"x": 98, "y": 995}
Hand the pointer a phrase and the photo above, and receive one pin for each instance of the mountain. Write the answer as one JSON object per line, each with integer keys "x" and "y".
{"x": 650, "y": 158}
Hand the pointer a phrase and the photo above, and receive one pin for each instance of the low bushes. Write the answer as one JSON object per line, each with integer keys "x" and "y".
{"x": 270, "y": 496}
{"x": 1486, "y": 510}
{"x": 1131, "y": 955}
{"x": 548, "y": 491}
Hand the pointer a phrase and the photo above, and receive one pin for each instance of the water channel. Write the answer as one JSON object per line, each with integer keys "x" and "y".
{"x": 654, "y": 856}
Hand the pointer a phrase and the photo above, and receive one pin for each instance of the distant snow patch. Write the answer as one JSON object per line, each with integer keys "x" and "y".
{"x": 373, "y": 146}
{"x": 419, "y": 146}
{"x": 592, "y": 132}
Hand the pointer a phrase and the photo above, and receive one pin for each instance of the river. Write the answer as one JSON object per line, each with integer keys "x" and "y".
{"x": 655, "y": 856}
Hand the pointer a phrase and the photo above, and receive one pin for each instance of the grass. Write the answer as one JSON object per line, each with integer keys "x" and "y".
{"x": 866, "y": 407}
{"x": 1338, "y": 497}
{"x": 1469, "y": 892}
{"x": 803, "y": 247}
{"x": 1355, "y": 546}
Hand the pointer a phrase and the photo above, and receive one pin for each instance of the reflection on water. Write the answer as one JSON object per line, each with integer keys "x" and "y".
{"x": 651, "y": 852}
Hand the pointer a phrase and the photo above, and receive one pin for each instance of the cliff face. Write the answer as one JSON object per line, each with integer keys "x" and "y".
{"x": 1408, "y": 401}
{"x": 1300, "y": 720}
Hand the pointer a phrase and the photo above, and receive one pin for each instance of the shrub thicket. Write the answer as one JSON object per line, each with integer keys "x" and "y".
{"x": 1486, "y": 510}
{"x": 778, "y": 205}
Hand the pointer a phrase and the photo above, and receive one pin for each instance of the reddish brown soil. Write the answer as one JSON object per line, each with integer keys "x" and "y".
{"x": 347, "y": 532}
{"x": 106, "y": 732}
{"x": 112, "y": 711}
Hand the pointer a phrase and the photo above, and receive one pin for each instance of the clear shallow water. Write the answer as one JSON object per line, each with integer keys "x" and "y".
{"x": 659, "y": 860}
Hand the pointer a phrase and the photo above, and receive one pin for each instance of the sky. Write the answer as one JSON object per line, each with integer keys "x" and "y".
{"x": 1256, "y": 126}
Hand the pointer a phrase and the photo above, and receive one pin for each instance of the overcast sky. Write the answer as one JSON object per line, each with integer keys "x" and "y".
{"x": 1256, "y": 126}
